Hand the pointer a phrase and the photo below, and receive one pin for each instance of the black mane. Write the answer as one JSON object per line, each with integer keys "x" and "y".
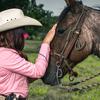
{"x": 63, "y": 13}
{"x": 66, "y": 10}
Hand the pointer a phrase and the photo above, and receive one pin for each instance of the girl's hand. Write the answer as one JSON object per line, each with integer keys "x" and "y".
{"x": 50, "y": 35}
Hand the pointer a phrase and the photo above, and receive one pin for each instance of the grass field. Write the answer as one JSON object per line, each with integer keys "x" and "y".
{"x": 39, "y": 91}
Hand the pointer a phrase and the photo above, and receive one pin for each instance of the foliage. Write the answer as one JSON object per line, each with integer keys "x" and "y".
{"x": 44, "y": 16}
{"x": 6, "y": 4}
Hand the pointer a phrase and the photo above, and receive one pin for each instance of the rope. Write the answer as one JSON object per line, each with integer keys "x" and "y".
{"x": 84, "y": 80}
{"x": 70, "y": 86}
{"x": 73, "y": 89}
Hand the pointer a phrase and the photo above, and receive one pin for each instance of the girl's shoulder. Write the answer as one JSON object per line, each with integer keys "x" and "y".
{"x": 3, "y": 49}
{"x": 8, "y": 56}
{"x": 7, "y": 52}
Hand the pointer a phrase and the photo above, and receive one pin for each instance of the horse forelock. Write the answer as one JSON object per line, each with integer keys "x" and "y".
{"x": 67, "y": 9}
{"x": 63, "y": 13}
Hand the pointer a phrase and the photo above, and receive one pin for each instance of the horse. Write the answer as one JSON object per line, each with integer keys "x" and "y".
{"x": 77, "y": 37}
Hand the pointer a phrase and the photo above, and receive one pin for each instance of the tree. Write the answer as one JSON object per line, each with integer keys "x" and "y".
{"x": 6, "y": 4}
{"x": 44, "y": 16}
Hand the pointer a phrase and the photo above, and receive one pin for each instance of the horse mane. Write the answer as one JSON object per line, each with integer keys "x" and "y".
{"x": 66, "y": 10}
{"x": 63, "y": 13}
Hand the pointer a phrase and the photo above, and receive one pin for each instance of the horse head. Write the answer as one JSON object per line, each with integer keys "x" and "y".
{"x": 73, "y": 42}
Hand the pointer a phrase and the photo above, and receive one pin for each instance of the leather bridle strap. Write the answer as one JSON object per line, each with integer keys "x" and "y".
{"x": 68, "y": 47}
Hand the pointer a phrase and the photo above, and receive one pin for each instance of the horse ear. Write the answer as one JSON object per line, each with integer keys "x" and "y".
{"x": 70, "y": 2}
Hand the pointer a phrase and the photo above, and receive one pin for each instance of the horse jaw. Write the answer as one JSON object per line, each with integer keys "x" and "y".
{"x": 50, "y": 76}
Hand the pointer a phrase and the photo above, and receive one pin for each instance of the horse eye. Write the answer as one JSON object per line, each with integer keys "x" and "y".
{"x": 60, "y": 31}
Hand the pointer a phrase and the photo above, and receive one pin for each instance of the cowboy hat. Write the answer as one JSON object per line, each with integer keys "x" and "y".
{"x": 14, "y": 18}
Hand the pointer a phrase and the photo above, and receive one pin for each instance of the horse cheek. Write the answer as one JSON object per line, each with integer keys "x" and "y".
{"x": 78, "y": 55}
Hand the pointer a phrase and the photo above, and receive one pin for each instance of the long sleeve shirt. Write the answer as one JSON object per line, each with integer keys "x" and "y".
{"x": 14, "y": 70}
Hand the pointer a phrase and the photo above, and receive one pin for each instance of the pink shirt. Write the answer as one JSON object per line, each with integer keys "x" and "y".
{"x": 14, "y": 70}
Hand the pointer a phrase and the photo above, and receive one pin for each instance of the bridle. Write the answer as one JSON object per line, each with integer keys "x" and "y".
{"x": 68, "y": 47}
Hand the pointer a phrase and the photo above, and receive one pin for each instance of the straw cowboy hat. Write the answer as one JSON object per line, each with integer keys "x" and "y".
{"x": 13, "y": 18}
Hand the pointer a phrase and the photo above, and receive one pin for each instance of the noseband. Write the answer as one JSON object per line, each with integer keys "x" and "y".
{"x": 68, "y": 47}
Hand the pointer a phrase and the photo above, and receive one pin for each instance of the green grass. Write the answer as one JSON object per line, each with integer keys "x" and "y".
{"x": 39, "y": 91}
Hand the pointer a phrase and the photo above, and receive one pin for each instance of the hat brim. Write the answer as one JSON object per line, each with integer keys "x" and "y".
{"x": 25, "y": 21}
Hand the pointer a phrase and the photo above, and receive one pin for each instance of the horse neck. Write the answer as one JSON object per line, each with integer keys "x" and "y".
{"x": 93, "y": 31}
{"x": 87, "y": 32}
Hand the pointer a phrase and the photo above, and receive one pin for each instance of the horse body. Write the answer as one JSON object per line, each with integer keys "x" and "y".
{"x": 88, "y": 41}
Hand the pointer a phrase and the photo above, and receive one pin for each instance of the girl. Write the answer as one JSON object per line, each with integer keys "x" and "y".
{"x": 14, "y": 67}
